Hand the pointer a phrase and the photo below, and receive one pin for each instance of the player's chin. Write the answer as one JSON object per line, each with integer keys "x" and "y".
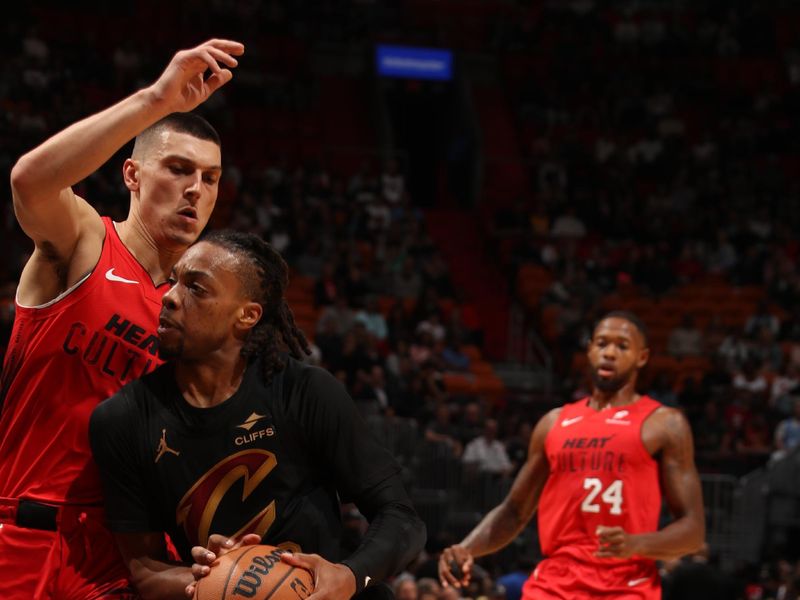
{"x": 170, "y": 344}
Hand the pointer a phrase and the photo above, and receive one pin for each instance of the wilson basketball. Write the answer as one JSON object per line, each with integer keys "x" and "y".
{"x": 255, "y": 573}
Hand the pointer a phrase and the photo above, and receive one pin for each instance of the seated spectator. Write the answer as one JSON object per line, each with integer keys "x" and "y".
{"x": 372, "y": 318}
{"x": 734, "y": 350}
{"x": 784, "y": 388}
{"x": 432, "y": 325}
{"x": 487, "y": 454}
{"x": 405, "y": 587}
{"x": 750, "y": 380}
{"x": 686, "y": 339}
{"x": 471, "y": 424}
{"x": 453, "y": 358}
{"x": 787, "y": 433}
{"x": 423, "y": 348}
{"x": 339, "y": 314}
{"x": 568, "y": 225}
{"x": 761, "y": 319}
{"x": 442, "y": 429}
{"x": 392, "y": 183}
{"x": 408, "y": 282}
{"x": 766, "y": 351}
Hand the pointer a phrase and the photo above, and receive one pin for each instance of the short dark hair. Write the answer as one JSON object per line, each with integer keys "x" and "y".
{"x": 629, "y": 316}
{"x": 189, "y": 123}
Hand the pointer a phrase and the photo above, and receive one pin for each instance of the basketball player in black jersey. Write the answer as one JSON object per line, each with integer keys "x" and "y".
{"x": 237, "y": 439}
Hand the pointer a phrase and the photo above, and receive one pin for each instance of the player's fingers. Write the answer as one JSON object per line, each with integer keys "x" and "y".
{"x": 296, "y": 559}
{"x": 203, "y": 556}
{"x": 217, "y": 80}
{"x": 222, "y": 57}
{"x": 229, "y": 46}
{"x": 217, "y": 542}
{"x": 446, "y": 576}
{"x": 199, "y": 571}
{"x": 249, "y": 540}
{"x": 190, "y": 590}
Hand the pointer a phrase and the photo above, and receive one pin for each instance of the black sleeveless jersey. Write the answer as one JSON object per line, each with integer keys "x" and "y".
{"x": 274, "y": 459}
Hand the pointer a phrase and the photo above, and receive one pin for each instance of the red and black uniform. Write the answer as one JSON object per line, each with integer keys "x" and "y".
{"x": 600, "y": 474}
{"x": 63, "y": 358}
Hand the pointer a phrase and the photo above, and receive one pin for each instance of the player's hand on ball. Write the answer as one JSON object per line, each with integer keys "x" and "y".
{"x": 455, "y": 566}
{"x": 218, "y": 545}
{"x": 331, "y": 581}
{"x": 614, "y": 542}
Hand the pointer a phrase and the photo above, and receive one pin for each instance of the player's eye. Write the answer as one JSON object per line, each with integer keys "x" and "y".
{"x": 210, "y": 179}
{"x": 171, "y": 280}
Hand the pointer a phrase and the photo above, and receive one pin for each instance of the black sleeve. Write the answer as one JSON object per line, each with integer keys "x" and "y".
{"x": 364, "y": 472}
{"x": 396, "y": 535}
{"x": 112, "y": 435}
{"x": 338, "y": 435}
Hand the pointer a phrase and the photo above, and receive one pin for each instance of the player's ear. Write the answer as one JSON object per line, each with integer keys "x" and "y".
{"x": 249, "y": 316}
{"x": 130, "y": 174}
{"x": 644, "y": 356}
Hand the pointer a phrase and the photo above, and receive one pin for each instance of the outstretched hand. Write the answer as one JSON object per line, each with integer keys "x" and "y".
{"x": 331, "y": 581}
{"x": 218, "y": 545}
{"x": 183, "y": 85}
{"x": 455, "y": 566}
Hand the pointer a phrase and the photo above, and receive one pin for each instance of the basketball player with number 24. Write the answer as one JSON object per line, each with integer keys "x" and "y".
{"x": 596, "y": 471}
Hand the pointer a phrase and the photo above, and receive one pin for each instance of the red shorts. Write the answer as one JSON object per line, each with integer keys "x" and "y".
{"x": 78, "y": 561}
{"x": 565, "y": 578}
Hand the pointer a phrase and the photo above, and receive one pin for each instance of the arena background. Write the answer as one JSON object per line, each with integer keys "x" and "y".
{"x": 452, "y": 240}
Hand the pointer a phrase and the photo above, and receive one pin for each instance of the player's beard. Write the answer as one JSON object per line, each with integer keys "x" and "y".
{"x": 609, "y": 385}
{"x": 170, "y": 349}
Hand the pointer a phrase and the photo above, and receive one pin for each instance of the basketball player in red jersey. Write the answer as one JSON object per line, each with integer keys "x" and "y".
{"x": 87, "y": 313}
{"x": 596, "y": 471}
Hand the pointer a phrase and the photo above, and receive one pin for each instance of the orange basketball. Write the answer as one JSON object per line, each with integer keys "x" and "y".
{"x": 254, "y": 573}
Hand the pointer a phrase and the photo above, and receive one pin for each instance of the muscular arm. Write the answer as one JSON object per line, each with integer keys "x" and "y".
{"x": 63, "y": 227}
{"x": 506, "y": 521}
{"x": 155, "y": 578}
{"x": 681, "y": 487}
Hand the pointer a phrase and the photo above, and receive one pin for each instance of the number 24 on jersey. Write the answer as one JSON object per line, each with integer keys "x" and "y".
{"x": 611, "y": 496}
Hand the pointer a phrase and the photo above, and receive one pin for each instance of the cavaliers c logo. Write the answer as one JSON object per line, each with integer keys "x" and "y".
{"x": 198, "y": 506}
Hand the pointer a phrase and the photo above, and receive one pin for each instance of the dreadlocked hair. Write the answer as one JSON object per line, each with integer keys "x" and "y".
{"x": 265, "y": 276}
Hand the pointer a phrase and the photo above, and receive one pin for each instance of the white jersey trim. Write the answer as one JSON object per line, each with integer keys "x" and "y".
{"x": 58, "y": 298}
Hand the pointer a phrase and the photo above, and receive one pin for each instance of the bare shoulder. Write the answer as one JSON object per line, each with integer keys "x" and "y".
{"x": 666, "y": 428}
{"x": 544, "y": 426}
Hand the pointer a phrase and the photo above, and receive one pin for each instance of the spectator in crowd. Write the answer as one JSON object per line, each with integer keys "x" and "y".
{"x": 487, "y": 454}
{"x": 686, "y": 339}
{"x": 787, "y": 433}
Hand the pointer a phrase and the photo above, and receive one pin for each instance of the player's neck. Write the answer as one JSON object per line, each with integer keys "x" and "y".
{"x": 209, "y": 382}
{"x": 600, "y": 399}
{"x": 156, "y": 260}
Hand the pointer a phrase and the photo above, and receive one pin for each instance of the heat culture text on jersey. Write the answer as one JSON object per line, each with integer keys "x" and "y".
{"x": 122, "y": 349}
{"x": 588, "y": 454}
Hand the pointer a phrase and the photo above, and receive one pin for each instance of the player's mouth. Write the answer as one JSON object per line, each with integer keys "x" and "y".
{"x": 606, "y": 371}
{"x": 189, "y": 213}
{"x": 165, "y": 323}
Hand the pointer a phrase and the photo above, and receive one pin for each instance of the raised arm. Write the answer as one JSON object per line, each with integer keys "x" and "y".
{"x": 506, "y": 521}
{"x": 682, "y": 491}
{"x": 62, "y": 225}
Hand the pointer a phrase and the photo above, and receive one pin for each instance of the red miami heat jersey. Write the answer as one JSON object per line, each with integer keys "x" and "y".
{"x": 600, "y": 474}
{"x": 63, "y": 358}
